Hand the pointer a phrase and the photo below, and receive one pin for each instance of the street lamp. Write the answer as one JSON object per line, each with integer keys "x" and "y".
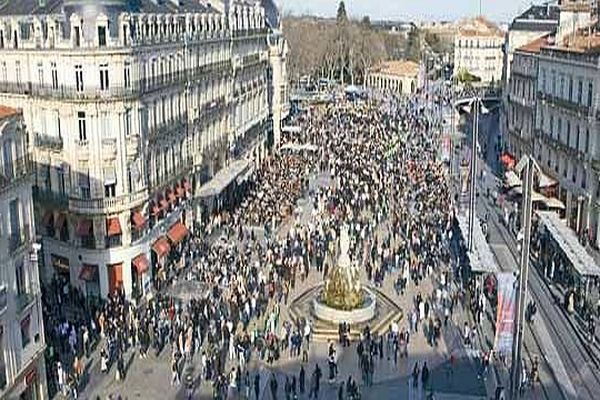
{"x": 477, "y": 107}
{"x": 531, "y": 168}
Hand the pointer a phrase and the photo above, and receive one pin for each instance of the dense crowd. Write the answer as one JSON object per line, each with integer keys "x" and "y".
{"x": 385, "y": 184}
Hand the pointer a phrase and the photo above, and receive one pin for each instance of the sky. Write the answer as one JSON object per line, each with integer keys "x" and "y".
{"x": 411, "y": 10}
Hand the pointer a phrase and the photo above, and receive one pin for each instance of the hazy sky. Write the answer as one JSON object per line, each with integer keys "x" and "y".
{"x": 415, "y": 10}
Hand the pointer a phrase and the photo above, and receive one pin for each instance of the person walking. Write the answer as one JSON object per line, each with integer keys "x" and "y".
{"x": 256, "y": 386}
{"x": 273, "y": 385}
{"x": 301, "y": 379}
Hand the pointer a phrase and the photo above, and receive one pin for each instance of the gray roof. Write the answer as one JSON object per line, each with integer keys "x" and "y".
{"x": 481, "y": 259}
{"x": 537, "y": 18}
{"x": 581, "y": 260}
{"x": 32, "y": 7}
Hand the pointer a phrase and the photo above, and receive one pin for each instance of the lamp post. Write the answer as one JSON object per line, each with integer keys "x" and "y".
{"x": 531, "y": 168}
{"x": 473, "y": 191}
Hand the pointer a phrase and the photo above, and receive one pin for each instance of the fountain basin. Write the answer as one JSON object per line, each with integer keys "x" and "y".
{"x": 361, "y": 314}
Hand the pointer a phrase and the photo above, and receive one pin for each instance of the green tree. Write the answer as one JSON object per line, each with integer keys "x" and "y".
{"x": 342, "y": 16}
{"x": 413, "y": 46}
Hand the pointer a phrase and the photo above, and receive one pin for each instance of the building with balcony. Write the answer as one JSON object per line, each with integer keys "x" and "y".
{"x": 132, "y": 109}
{"x": 521, "y": 95}
{"x": 478, "y": 49}
{"x": 279, "y": 94}
{"x": 400, "y": 77}
{"x": 22, "y": 345}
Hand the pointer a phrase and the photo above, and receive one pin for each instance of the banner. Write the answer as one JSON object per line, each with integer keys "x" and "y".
{"x": 505, "y": 319}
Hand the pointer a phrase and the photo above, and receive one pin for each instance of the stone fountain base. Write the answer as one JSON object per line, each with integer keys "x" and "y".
{"x": 377, "y": 314}
{"x": 355, "y": 316}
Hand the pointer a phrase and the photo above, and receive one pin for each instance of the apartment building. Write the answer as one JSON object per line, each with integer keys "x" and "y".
{"x": 142, "y": 117}
{"x": 22, "y": 345}
{"x": 478, "y": 49}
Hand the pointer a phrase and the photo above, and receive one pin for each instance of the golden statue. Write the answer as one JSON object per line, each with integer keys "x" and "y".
{"x": 342, "y": 287}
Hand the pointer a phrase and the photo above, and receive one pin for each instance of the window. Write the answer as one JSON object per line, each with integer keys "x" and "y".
{"x": 127, "y": 122}
{"x": 568, "y": 141}
{"x": 110, "y": 190}
{"x": 577, "y": 138}
{"x": 77, "y": 39}
{"x": 40, "y": 69}
{"x": 551, "y": 130}
{"x": 1, "y": 46}
{"x": 3, "y": 379}
{"x": 18, "y": 71}
{"x": 587, "y": 140}
{"x": 127, "y": 75}
{"x": 574, "y": 176}
{"x": 590, "y": 93}
{"x": 82, "y": 126}
{"x": 559, "y": 129}
{"x": 579, "y": 91}
{"x": 562, "y": 87}
{"x": 101, "y": 36}
{"x": 26, "y": 331}
{"x": 103, "y": 76}
{"x": 20, "y": 278}
{"x": 553, "y": 83}
{"x": 4, "y": 72}
{"x": 79, "y": 78}
{"x": 571, "y": 89}
{"x": 84, "y": 185}
{"x": 54, "y": 73}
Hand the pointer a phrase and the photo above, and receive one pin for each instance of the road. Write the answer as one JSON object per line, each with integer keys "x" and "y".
{"x": 569, "y": 367}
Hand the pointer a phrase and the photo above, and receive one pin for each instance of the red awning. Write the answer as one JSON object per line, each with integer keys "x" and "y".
{"x": 88, "y": 272}
{"x": 177, "y": 232}
{"x": 48, "y": 218}
{"x": 163, "y": 204}
{"x": 138, "y": 219}
{"x": 171, "y": 197}
{"x": 141, "y": 263}
{"x": 161, "y": 247}
{"x": 84, "y": 227}
{"x": 61, "y": 218}
{"x": 186, "y": 185}
{"x": 113, "y": 226}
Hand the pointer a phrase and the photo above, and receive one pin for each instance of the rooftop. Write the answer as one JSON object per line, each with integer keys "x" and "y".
{"x": 479, "y": 26}
{"x": 6, "y": 111}
{"x": 398, "y": 67}
{"x": 536, "y": 45}
{"x": 537, "y": 18}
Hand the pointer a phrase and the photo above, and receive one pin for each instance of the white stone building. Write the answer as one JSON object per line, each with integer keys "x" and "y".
{"x": 141, "y": 115}
{"x": 22, "y": 345}
{"x": 279, "y": 96}
{"x": 399, "y": 77}
{"x": 478, "y": 49}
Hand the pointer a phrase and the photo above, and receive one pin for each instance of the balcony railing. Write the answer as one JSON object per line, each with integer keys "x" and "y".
{"x": 59, "y": 200}
{"x": 48, "y": 142}
{"x": 114, "y": 241}
{"x": 13, "y": 172}
{"x": 107, "y": 204}
{"x": 18, "y": 240}
{"x": 176, "y": 126}
{"x": 23, "y": 300}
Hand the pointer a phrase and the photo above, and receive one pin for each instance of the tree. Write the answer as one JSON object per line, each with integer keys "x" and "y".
{"x": 366, "y": 22}
{"x": 342, "y": 16}
{"x": 413, "y": 46}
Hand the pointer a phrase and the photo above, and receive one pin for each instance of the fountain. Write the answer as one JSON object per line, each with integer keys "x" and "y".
{"x": 343, "y": 299}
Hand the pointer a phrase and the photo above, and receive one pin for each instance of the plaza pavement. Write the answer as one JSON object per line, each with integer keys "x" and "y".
{"x": 150, "y": 378}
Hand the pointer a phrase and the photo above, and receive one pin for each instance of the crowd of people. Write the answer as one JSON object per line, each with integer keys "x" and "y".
{"x": 385, "y": 183}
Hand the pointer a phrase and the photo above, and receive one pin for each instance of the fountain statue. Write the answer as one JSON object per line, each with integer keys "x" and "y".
{"x": 342, "y": 288}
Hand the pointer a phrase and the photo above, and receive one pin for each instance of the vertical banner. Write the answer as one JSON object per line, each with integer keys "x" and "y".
{"x": 505, "y": 319}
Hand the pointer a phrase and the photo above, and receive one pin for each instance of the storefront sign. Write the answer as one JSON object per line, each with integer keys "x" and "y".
{"x": 505, "y": 318}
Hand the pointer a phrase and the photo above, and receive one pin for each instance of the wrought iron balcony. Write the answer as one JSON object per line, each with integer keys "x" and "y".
{"x": 48, "y": 142}
{"x": 18, "y": 240}
{"x": 15, "y": 171}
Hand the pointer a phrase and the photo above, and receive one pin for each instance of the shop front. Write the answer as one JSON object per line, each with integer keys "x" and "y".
{"x": 90, "y": 276}
{"x": 141, "y": 280}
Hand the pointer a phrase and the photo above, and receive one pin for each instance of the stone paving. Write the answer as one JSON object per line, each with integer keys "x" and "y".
{"x": 150, "y": 378}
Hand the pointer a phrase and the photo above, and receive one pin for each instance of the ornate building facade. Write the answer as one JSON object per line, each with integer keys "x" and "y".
{"x": 142, "y": 115}
{"x": 22, "y": 344}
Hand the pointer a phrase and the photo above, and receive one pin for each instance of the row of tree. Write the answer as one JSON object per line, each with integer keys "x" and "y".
{"x": 343, "y": 49}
